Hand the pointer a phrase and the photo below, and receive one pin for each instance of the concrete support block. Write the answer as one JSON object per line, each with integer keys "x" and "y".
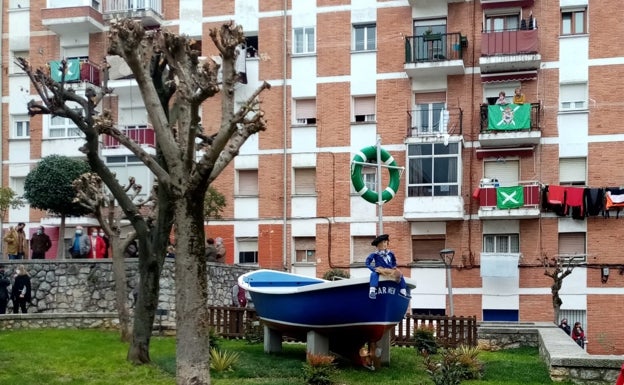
{"x": 317, "y": 343}
{"x": 272, "y": 341}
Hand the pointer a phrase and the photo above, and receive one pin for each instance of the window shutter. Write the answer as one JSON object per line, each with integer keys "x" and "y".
{"x": 506, "y": 172}
{"x": 430, "y": 97}
{"x": 427, "y": 248}
{"x": 571, "y": 243}
{"x": 362, "y": 248}
{"x": 305, "y": 243}
{"x": 572, "y": 170}
{"x": 248, "y": 182}
{"x": 364, "y": 105}
{"x": 305, "y": 181}
{"x": 305, "y": 109}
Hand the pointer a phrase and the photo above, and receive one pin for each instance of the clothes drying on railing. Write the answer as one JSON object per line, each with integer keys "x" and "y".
{"x": 565, "y": 200}
{"x": 614, "y": 199}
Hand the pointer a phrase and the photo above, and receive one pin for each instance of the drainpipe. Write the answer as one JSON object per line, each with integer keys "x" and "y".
{"x": 1, "y": 105}
{"x": 285, "y": 128}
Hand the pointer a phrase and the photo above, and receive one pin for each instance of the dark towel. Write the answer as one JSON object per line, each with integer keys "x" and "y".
{"x": 594, "y": 200}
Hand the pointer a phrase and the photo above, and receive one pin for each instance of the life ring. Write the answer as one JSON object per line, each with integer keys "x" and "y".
{"x": 370, "y": 154}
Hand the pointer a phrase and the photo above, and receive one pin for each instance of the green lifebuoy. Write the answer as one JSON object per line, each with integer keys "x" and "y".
{"x": 370, "y": 154}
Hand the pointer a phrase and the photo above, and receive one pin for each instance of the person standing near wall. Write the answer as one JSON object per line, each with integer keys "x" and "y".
{"x": 4, "y": 290}
{"x": 40, "y": 243}
{"x": 21, "y": 291}
{"x": 22, "y": 242}
{"x": 11, "y": 240}
{"x": 80, "y": 244}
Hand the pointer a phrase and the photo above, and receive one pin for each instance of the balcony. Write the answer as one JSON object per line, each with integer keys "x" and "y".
{"x": 436, "y": 208}
{"x": 434, "y": 123}
{"x": 148, "y": 11}
{"x": 418, "y": 3}
{"x": 77, "y": 71}
{"x": 509, "y": 50}
{"x": 435, "y": 54}
{"x": 502, "y": 127}
{"x": 73, "y": 17}
{"x": 488, "y": 4}
{"x": 492, "y": 202}
{"x": 141, "y": 134}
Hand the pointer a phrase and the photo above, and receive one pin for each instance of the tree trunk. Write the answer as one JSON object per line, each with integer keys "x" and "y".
{"x": 147, "y": 303}
{"x": 121, "y": 293}
{"x": 192, "y": 335}
{"x": 60, "y": 248}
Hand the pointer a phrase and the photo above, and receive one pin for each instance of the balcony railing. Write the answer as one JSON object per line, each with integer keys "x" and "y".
{"x": 86, "y": 71}
{"x": 509, "y": 42}
{"x": 531, "y": 191}
{"x": 434, "y": 47}
{"x": 132, "y": 6}
{"x": 433, "y": 122}
{"x": 534, "y": 124}
{"x": 142, "y": 135}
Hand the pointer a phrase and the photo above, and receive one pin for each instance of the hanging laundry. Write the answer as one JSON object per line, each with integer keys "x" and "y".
{"x": 574, "y": 198}
{"x": 594, "y": 199}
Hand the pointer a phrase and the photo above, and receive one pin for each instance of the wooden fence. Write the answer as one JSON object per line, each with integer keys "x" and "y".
{"x": 231, "y": 322}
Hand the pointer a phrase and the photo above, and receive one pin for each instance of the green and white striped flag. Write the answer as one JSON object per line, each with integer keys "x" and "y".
{"x": 509, "y": 197}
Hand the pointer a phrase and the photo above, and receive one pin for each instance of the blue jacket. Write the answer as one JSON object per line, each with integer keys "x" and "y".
{"x": 381, "y": 258}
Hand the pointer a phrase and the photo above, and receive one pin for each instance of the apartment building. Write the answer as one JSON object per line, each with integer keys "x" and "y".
{"x": 497, "y": 186}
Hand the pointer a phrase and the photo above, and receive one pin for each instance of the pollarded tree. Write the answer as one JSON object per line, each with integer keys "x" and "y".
{"x": 557, "y": 268}
{"x": 49, "y": 187}
{"x": 174, "y": 82}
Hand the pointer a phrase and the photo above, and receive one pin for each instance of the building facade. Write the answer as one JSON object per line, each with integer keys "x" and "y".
{"x": 501, "y": 185}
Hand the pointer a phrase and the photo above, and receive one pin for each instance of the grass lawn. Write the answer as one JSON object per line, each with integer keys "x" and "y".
{"x": 76, "y": 357}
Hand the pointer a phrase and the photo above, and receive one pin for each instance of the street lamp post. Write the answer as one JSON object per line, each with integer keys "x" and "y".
{"x": 447, "y": 256}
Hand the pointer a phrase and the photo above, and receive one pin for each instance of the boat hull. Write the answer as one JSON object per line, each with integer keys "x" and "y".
{"x": 341, "y": 310}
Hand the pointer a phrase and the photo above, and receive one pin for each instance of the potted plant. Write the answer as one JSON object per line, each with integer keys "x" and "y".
{"x": 430, "y": 35}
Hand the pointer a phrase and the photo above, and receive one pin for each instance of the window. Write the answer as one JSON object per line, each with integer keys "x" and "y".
{"x": 364, "y": 109}
{"x": 501, "y": 243}
{"x": 61, "y": 127}
{"x": 305, "y": 111}
{"x": 427, "y": 247}
{"x": 433, "y": 169}
{"x": 572, "y": 247}
{"x": 14, "y": 69}
{"x": 248, "y": 251}
{"x": 573, "y": 22}
{"x": 305, "y": 249}
{"x": 362, "y": 248}
{"x": 431, "y": 118}
{"x": 305, "y": 181}
{"x": 17, "y": 185}
{"x": 506, "y": 22}
{"x": 505, "y": 171}
{"x": 364, "y": 37}
{"x": 572, "y": 171}
{"x": 248, "y": 182}
{"x": 304, "y": 40}
{"x": 251, "y": 44}
{"x": 21, "y": 127}
{"x": 573, "y": 96}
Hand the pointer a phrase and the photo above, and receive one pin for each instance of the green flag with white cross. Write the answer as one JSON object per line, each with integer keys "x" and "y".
{"x": 509, "y": 197}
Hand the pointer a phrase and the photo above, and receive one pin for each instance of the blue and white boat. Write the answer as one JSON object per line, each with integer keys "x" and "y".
{"x": 340, "y": 310}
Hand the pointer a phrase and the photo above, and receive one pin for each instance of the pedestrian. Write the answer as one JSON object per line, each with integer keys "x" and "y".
{"x": 80, "y": 245}
{"x": 578, "y": 335}
{"x": 220, "y": 250}
{"x": 11, "y": 240}
{"x": 103, "y": 235}
{"x": 383, "y": 262}
{"x": 21, "y": 291}
{"x": 5, "y": 281}
{"x": 239, "y": 297}
{"x": 211, "y": 250}
{"x": 502, "y": 100}
{"x": 564, "y": 326}
{"x": 22, "y": 242}
{"x": 132, "y": 250}
{"x": 170, "y": 252}
{"x": 98, "y": 246}
{"x": 40, "y": 243}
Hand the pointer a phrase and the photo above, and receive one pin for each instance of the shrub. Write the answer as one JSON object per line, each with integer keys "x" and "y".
{"x": 445, "y": 371}
{"x": 454, "y": 365}
{"x": 214, "y": 338}
{"x": 333, "y": 274}
{"x": 425, "y": 340}
{"x": 467, "y": 357}
{"x": 254, "y": 331}
{"x": 222, "y": 360}
{"x": 319, "y": 369}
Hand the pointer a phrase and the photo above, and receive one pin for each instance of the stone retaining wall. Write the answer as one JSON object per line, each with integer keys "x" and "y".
{"x": 564, "y": 358}
{"x": 106, "y": 321}
{"x": 87, "y": 286}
